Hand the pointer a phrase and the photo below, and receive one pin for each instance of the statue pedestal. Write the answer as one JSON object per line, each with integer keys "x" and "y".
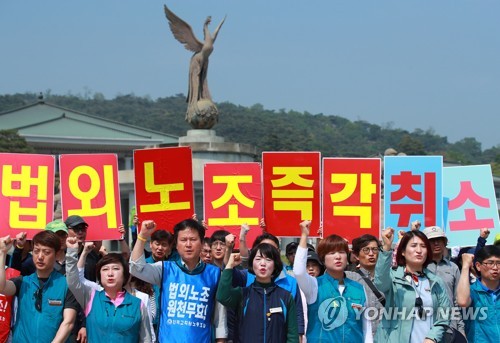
{"x": 207, "y": 147}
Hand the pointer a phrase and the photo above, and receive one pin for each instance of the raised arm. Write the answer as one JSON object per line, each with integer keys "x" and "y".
{"x": 147, "y": 229}
{"x": 87, "y": 248}
{"x": 151, "y": 273}
{"x": 6, "y": 287}
{"x": 243, "y": 240}
{"x": 226, "y": 294}
{"x": 16, "y": 260}
{"x": 463, "y": 289}
{"x": 229, "y": 247}
{"x": 124, "y": 244}
{"x": 307, "y": 283}
{"x": 383, "y": 267}
{"x": 81, "y": 290}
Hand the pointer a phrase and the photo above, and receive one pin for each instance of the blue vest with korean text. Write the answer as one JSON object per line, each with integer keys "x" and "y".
{"x": 187, "y": 303}
{"x": 40, "y": 326}
{"x": 335, "y": 317}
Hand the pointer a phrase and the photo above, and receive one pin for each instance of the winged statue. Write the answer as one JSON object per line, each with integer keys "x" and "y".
{"x": 201, "y": 112}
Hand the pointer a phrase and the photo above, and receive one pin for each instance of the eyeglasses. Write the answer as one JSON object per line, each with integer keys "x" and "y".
{"x": 491, "y": 264}
{"x": 367, "y": 250}
{"x": 38, "y": 299}
{"x": 206, "y": 251}
{"x": 419, "y": 304}
{"x": 217, "y": 244}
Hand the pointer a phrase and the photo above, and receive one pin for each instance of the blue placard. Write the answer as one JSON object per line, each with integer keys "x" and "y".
{"x": 413, "y": 191}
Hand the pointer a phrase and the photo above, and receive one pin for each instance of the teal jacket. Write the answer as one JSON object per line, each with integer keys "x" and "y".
{"x": 114, "y": 324}
{"x": 486, "y": 327}
{"x": 400, "y": 296}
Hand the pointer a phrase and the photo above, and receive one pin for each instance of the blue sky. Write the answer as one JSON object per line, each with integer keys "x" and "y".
{"x": 405, "y": 64}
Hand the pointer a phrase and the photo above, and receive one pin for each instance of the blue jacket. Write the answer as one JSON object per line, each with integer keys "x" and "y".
{"x": 40, "y": 325}
{"x": 485, "y": 328}
{"x": 265, "y": 312}
{"x": 242, "y": 278}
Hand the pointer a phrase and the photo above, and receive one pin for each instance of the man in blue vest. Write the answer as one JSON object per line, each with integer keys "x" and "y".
{"x": 483, "y": 295}
{"x": 188, "y": 286}
{"x": 47, "y": 309}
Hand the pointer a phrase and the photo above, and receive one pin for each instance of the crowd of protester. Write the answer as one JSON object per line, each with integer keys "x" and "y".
{"x": 186, "y": 287}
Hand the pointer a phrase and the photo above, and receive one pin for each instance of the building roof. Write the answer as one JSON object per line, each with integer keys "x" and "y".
{"x": 45, "y": 125}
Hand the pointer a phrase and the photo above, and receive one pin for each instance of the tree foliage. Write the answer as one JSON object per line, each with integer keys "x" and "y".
{"x": 270, "y": 130}
{"x": 10, "y": 141}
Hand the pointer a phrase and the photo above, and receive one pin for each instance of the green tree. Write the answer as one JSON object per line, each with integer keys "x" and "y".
{"x": 411, "y": 146}
{"x": 10, "y": 141}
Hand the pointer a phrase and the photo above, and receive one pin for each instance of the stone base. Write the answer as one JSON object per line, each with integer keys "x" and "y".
{"x": 207, "y": 147}
{"x": 201, "y": 135}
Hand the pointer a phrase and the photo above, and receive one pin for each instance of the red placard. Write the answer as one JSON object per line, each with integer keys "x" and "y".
{"x": 351, "y": 197}
{"x": 164, "y": 185}
{"x": 89, "y": 188}
{"x": 291, "y": 191}
{"x": 27, "y": 196}
{"x": 232, "y": 197}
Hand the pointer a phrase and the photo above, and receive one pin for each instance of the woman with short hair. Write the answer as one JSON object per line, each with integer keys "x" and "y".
{"x": 266, "y": 312}
{"x": 335, "y": 303}
{"x": 113, "y": 314}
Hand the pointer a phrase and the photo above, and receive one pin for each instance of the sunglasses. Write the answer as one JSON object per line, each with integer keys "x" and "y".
{"x": 38, "y": 299}
{"x": 419, "y": 304}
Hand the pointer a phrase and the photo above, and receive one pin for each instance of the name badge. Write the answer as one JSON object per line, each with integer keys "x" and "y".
{"x": 275, "y": 310}
{"x": 55, "y": 302}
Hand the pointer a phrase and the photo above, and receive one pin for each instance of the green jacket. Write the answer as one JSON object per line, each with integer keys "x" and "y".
{"x": 400, "y": 296}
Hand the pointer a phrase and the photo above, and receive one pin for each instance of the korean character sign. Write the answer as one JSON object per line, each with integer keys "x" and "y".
{"x": 413, "y": 191}
{"x": 164, "y": 185}
{"x": 232, "y": 196}
{"x": 470, "y": 203}
{"x": 89, "y": 188}
{"x": 351, "y": 197}
{"x": 27, "y": 196}
{"x": 291, "y": 182}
